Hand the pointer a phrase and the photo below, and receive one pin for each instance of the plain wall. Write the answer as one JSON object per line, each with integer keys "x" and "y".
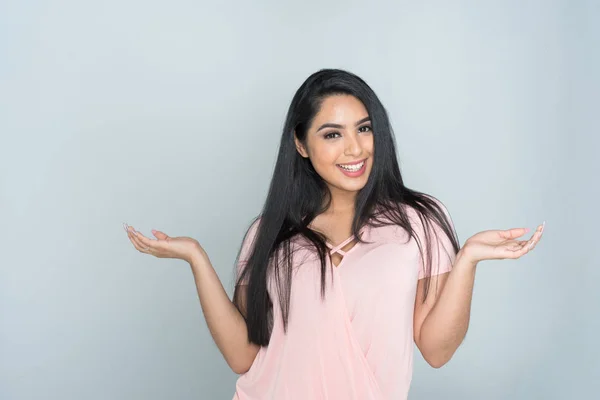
{"x": 167, "y": 115}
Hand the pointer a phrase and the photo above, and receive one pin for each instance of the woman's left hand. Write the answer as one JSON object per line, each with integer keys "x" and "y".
{"x": 500, "y": 244}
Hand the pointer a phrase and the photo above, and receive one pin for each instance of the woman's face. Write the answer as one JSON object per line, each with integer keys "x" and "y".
{"x": 339, "y": 143}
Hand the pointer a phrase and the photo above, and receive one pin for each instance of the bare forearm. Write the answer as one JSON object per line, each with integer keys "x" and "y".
{"x": 225, "y": 323}
{"x": 446, "y": 325}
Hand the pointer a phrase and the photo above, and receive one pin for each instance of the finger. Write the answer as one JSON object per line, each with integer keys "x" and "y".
{"x": 147, "y": 243}
{"x": 535, "y": 238}
{"x": 514, "y": 249}
{"x": 513, "y": 233}
{"x": 159, "y": 235}
{"x": 137, "y": 240}
{"x": 136, "y": 243}
{"x": 129, "y": 229}
{"x": 516, "y": 245}
{"x": 521, "y": 247}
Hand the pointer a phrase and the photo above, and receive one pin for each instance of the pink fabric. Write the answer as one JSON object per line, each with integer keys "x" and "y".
{"x": 357, "y": 343}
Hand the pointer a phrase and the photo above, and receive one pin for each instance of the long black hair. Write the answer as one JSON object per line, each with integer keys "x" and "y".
{"x": 297, "y": 194}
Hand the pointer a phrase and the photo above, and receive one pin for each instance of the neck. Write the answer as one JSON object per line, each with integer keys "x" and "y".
{"x": 342, "y": 202}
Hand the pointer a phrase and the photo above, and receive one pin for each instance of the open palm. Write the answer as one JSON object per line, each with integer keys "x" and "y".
{"x": 500, "y": 244}
{"x": 164, "y": 246}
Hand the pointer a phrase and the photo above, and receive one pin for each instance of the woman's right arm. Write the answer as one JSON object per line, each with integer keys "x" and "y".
{"x": 225, "y": 323}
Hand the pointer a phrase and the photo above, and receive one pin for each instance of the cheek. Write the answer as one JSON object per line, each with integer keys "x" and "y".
{"x": 367, "y": 144}
{"x": 325, "y": 156}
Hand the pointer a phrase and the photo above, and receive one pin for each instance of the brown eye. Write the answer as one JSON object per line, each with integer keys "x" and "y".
{"x": 330, "y": 135}
{"x": 362, "y": 128}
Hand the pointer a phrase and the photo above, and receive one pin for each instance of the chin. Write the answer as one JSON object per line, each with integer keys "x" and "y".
{"x": 351, "y": 187}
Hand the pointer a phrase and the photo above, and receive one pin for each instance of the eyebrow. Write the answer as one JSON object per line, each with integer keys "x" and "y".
{"x": 329, "y": 125}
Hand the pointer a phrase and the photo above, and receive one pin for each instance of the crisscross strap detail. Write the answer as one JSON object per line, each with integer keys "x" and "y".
{"x": 338, "y": 248}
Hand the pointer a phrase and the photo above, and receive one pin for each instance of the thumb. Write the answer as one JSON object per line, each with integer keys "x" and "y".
{"x": 159, "y": 235}
{"x": 514, "y": 233}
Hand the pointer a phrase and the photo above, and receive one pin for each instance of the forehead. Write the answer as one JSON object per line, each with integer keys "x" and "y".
{"x": 341, "y": 108}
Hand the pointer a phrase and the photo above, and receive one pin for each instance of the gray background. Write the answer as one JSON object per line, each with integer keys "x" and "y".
{"x": 168, "y": 115}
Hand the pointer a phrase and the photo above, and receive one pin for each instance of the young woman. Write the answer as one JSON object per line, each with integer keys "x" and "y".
{"x": 345, "y": 267}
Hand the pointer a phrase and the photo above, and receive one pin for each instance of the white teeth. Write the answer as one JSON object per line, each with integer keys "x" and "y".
{"x": 353, "y": 168}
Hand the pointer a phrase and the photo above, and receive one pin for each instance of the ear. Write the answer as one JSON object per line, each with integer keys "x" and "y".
{"x": 300, "y": 147}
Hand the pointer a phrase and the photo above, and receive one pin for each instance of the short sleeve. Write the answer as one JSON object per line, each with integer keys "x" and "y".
{"x": 247, "y": 245}
{"x": 443, "y": 254}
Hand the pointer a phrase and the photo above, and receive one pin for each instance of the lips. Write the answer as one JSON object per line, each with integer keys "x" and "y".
{"x": 352, "y": 163}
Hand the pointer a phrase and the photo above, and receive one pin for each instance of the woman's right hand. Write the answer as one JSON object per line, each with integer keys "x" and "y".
{"x": 164, "y": 246}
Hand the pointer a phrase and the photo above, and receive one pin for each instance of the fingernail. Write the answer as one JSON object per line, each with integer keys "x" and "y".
{"x": 543, "y": 226}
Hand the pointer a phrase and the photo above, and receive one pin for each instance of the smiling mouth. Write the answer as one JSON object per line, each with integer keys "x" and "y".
{"x": 353, "y": 167}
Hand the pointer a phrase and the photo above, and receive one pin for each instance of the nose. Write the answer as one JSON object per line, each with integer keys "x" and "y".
{"x": 353, "y": 147}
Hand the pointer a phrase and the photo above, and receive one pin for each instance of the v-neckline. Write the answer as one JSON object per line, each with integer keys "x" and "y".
{"x": 338, "y": 249}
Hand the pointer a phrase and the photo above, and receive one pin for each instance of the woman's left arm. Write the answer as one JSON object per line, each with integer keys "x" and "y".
{"x": 442, "y": 320}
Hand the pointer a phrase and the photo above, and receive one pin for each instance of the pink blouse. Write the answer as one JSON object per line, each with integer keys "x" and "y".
{"x": 357, "y": 343}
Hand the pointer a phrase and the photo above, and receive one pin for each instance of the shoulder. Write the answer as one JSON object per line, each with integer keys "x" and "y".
{"x": 250, "y": 233}
{"x": 253, "y": 227}
{"x": 420, "y": 216}
{"x": 429, "y": 210}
